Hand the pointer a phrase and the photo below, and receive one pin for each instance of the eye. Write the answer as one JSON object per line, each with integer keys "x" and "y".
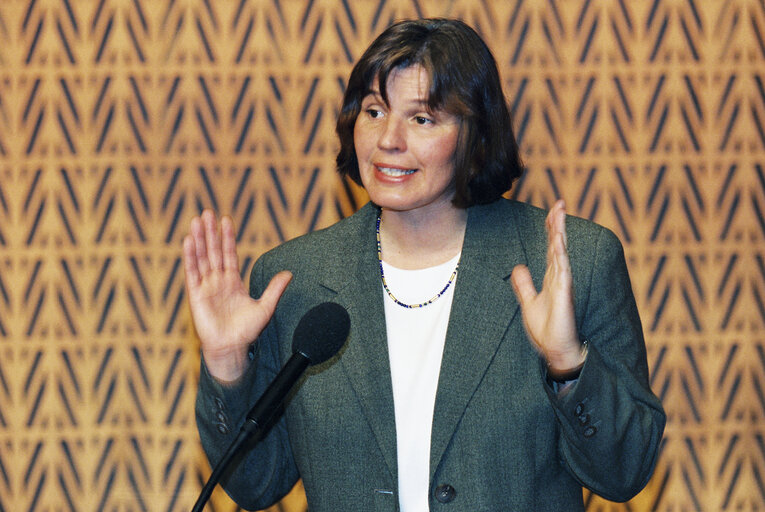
{"x": 373, "y": 113}
{"x": 422, "y": 120}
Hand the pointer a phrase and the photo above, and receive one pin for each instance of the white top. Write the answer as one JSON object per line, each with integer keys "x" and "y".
{"x": 415, "y": 345}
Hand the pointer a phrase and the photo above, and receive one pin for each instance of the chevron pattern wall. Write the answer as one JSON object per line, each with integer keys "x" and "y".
{"x": 120, "y": 119}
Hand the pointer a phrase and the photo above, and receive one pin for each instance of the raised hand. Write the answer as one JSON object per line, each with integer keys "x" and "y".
{"x": 549, "y": 315}
{"x": 226, "y": 318}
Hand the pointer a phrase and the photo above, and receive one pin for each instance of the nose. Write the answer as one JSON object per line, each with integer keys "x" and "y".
{"x": 392, "y": 136}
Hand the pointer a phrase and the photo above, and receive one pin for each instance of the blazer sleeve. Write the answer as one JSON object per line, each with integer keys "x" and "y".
{"x": 266, "y": 472}
{"x": 611, "y": 423}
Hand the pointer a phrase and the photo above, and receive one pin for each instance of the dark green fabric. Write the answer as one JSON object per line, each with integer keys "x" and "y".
{"x": 502, "y": 438}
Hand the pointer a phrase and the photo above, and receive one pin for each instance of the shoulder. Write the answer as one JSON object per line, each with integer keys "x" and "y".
{"x": 530, "y": 219}
{"x": 512, "y": 222}
{"x": 341, "y": 237}
{"x": 320, "y": 253}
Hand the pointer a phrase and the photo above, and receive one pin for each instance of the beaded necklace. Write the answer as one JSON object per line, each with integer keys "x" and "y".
{"x": 385, "y": 284}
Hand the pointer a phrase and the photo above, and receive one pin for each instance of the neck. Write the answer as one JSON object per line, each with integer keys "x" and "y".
{"x": 412, "y": 240}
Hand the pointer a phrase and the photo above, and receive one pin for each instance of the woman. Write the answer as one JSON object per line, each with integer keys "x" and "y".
{"x": 438, "y": 396}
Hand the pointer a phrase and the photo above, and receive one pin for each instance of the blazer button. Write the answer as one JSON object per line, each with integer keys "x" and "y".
{"x": 590, "y": 431}
{"x": 579, "y": 409}
{"x": 445, "y": 493}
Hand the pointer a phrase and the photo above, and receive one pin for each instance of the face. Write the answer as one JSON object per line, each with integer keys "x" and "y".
{"x": 406, "y": 152}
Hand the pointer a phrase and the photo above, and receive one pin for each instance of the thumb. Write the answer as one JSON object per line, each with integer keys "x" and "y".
{"x": 523, "y": 284}
{"x": 274, "y": 291}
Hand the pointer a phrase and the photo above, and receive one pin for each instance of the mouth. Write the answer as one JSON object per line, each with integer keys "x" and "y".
{"x": 395, "y": 172}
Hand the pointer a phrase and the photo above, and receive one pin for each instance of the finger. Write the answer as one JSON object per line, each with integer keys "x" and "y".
{"x": 548, "y": 222}
{"x": 550, "y": 255}
{"x": 200, "y": 245}
{"x": 228, "y": 236}
{"x": 555, "y": 223}
{"x": 560, "y": 220}
{"x": 523, "y": 285}
{"x": 562, "y": 261}
{"x": 191, "y": 271}
{"x": 552, "y": 221}
{"x": 212, "y": 239}
{"x": 550, "y": 228}
{"x": 561, "y": 269}
{"x": 559, "y": 238}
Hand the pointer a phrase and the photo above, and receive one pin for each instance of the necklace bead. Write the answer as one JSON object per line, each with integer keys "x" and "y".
{"x": 385, "y": 284}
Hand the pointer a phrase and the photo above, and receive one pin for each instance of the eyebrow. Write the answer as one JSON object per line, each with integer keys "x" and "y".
{"x": 421, "y": 103}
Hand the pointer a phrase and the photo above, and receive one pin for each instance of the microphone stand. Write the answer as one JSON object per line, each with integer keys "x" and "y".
{"x": 257, "y": 420}
{"x": 220, "y": 468}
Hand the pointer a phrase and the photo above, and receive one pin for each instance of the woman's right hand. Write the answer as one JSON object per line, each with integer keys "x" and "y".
{"x": 226, "y": 318}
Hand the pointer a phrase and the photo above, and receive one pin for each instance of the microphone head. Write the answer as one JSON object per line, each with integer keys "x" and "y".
{"x": 321, "y": 332}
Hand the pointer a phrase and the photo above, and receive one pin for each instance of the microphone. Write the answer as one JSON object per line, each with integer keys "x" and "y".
{"x": 318, "y": 336}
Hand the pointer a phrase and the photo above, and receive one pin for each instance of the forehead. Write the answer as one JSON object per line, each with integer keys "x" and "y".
{"x": 412, "y": 81}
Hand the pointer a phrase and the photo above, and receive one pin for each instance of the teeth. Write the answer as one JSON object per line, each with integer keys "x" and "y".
{"x": 396, "y": 172}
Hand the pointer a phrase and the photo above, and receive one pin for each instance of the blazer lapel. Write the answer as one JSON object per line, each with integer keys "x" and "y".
{"x": 484, "y": 307}
{"x": 365, "y": 360}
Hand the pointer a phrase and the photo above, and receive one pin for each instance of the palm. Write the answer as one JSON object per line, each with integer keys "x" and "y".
{"x": 225, "y": 316}
{"x": 549, "y": 317}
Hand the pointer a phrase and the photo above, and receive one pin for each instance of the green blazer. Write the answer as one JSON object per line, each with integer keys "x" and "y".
{"x": 502, "y": 438}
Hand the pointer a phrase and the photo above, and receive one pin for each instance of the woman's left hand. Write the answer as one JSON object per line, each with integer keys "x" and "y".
{"x": 549, "y": 315}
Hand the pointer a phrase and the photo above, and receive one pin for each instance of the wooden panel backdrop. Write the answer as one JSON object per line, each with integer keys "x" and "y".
{"x": 120, "y": 119}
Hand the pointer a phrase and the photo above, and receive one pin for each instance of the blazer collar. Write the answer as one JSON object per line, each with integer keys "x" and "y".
{"x": 483, "y": 308}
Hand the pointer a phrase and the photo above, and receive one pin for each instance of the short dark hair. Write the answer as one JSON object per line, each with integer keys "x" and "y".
{"x": 464, "y": 81}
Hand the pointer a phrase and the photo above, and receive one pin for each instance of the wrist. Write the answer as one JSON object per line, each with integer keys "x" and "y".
{"x": 568, "y": 372}
{"x": 227, "y": 368}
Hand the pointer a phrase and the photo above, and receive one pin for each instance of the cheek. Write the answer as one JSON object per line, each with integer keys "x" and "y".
{"x": 360, "y": 141}
{"x": 356, "y": 137}
{"x": 444, "y": 152}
